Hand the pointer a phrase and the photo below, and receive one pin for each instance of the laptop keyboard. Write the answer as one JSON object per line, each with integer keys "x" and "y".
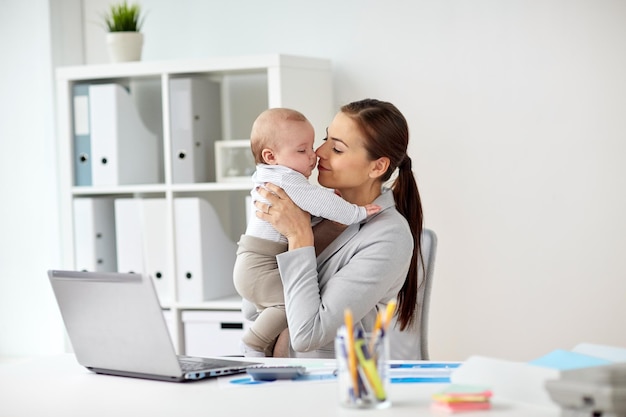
{"x": 189, "y": 366}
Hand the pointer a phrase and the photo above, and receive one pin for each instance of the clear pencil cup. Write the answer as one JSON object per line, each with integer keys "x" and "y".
{"x": 362, "y": 370}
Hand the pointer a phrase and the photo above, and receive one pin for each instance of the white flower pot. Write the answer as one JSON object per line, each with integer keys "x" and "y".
{"x": 124, "y": 46}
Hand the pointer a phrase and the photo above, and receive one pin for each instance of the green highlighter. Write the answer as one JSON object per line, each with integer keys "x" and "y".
{"x": 368, "y": 364}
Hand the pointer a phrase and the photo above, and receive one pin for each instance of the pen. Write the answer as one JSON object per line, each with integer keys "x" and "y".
{"x": 350, "y": 348}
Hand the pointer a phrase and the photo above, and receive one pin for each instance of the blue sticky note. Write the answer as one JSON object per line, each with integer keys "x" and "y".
{"x": 563, "y": 360}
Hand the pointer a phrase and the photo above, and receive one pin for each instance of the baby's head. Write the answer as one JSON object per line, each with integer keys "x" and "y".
{"x": 283, "y": 136}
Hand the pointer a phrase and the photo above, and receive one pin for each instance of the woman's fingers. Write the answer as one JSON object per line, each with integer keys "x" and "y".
{"x": 272, "y": 191}
{"x": 262, "y": 207}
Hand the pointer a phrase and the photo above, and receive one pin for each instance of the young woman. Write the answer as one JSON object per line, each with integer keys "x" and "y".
{"x": 332, "y": 267}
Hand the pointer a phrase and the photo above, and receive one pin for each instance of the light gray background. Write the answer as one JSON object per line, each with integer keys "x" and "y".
{"x": 517, "y": 114}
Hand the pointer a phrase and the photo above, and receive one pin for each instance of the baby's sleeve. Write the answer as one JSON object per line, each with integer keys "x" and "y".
{"x": 322, "y": 202}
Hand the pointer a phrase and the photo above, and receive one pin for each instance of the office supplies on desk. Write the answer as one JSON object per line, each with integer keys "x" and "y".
{"x": 391, "y": 308}
{"x": 592, "y": 391}
{"x": 611, "y": 353}
{"x": 563, "y": 360}
{"x": 369, "y": 364}
{"x": 348, "y": 347}
{"x": 420, "y": 372}
{"x": 456, "y": 398}
{"x": 525, "y": 381}
{"x": 116, "y": 327}
{"x": 362, "y": 366}
{"x": 272, "y": 373}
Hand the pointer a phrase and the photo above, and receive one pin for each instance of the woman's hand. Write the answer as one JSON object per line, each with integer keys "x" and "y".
{"x": 286, "y": 217}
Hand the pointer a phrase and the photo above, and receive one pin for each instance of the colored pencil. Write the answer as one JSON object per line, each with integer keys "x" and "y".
{"x": 351, "y": 353}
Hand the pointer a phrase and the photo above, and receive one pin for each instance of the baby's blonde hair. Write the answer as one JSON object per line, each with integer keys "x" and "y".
{"x": 266, "y": 127}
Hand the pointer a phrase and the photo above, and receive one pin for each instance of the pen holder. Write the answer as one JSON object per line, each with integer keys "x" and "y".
{"x": 363, "y": 378}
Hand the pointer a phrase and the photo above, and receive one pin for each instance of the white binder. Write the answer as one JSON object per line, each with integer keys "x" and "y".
{"x": 142, "y": 241}
{"x": 94, "y": 235}
{"x": 205, "y": 255}
{"x": 123, "y": 150}
{"x": 195, "y": 126}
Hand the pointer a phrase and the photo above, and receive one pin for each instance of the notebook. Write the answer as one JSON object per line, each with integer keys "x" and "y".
{"x": 115, "y": 325}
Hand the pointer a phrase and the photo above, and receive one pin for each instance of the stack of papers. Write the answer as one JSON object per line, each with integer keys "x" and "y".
{"x": 525, "y": 381}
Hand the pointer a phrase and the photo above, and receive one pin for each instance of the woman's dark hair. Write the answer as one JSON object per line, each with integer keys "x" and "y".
{"x": 387, "y": 135}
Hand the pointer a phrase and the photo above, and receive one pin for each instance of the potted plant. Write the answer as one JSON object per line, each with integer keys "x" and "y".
{"x": 124, "y": 40}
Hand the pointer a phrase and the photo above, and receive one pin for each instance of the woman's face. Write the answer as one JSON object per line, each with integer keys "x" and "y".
{"x": 343, "y": 161}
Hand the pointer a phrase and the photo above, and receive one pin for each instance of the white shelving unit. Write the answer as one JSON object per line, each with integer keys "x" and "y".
{"x": 247, "y": 85}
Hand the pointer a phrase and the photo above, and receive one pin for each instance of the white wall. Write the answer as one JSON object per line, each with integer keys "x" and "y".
{"x": 516, "y": 113}
{"x": 29, "y": 322}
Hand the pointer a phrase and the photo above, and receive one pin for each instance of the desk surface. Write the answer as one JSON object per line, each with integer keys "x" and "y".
{"x": 57, "y": 385}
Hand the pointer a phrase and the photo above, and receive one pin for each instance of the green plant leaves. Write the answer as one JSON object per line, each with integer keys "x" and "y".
{"x": 123, "y": 17}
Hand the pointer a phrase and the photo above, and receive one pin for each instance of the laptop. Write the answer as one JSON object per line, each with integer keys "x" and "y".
{"x": 116, "y": 326}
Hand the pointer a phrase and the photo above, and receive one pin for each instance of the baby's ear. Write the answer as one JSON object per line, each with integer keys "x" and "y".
{"x": 268, "y": 156}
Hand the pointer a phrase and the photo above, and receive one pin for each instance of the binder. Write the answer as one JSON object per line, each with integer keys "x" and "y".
{"x": 142, "y": 241}
{"x": 82, "y": 137}
{"x": 195, "y": 125}
{"x": 123, "y": 150}
{"x": 205, "y": 255}
{"x": 155, "y": 247}
{"x": 94, "y": 235}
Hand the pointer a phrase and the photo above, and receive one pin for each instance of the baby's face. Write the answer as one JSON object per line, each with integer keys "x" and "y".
{"x": 296, "y": 150}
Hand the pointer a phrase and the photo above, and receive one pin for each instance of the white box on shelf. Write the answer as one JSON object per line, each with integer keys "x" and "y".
{"x": 233, "y": 161}
{"x": 213, "y": 333}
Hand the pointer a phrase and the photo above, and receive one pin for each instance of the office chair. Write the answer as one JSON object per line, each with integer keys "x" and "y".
{"x": 412, "y": 344}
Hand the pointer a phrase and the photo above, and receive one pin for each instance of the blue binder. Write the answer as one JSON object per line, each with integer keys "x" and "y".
{"x": 82, "y": 135}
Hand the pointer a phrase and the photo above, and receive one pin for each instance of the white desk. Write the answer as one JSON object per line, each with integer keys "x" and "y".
{"x": 58, "y": 386}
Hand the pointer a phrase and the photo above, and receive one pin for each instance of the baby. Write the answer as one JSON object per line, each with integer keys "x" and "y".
{"x": 282, "y": 145}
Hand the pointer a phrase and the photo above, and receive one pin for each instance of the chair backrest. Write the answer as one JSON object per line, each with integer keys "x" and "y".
{"x": 429, "y": 251}
{"x": 412, "y": 344}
